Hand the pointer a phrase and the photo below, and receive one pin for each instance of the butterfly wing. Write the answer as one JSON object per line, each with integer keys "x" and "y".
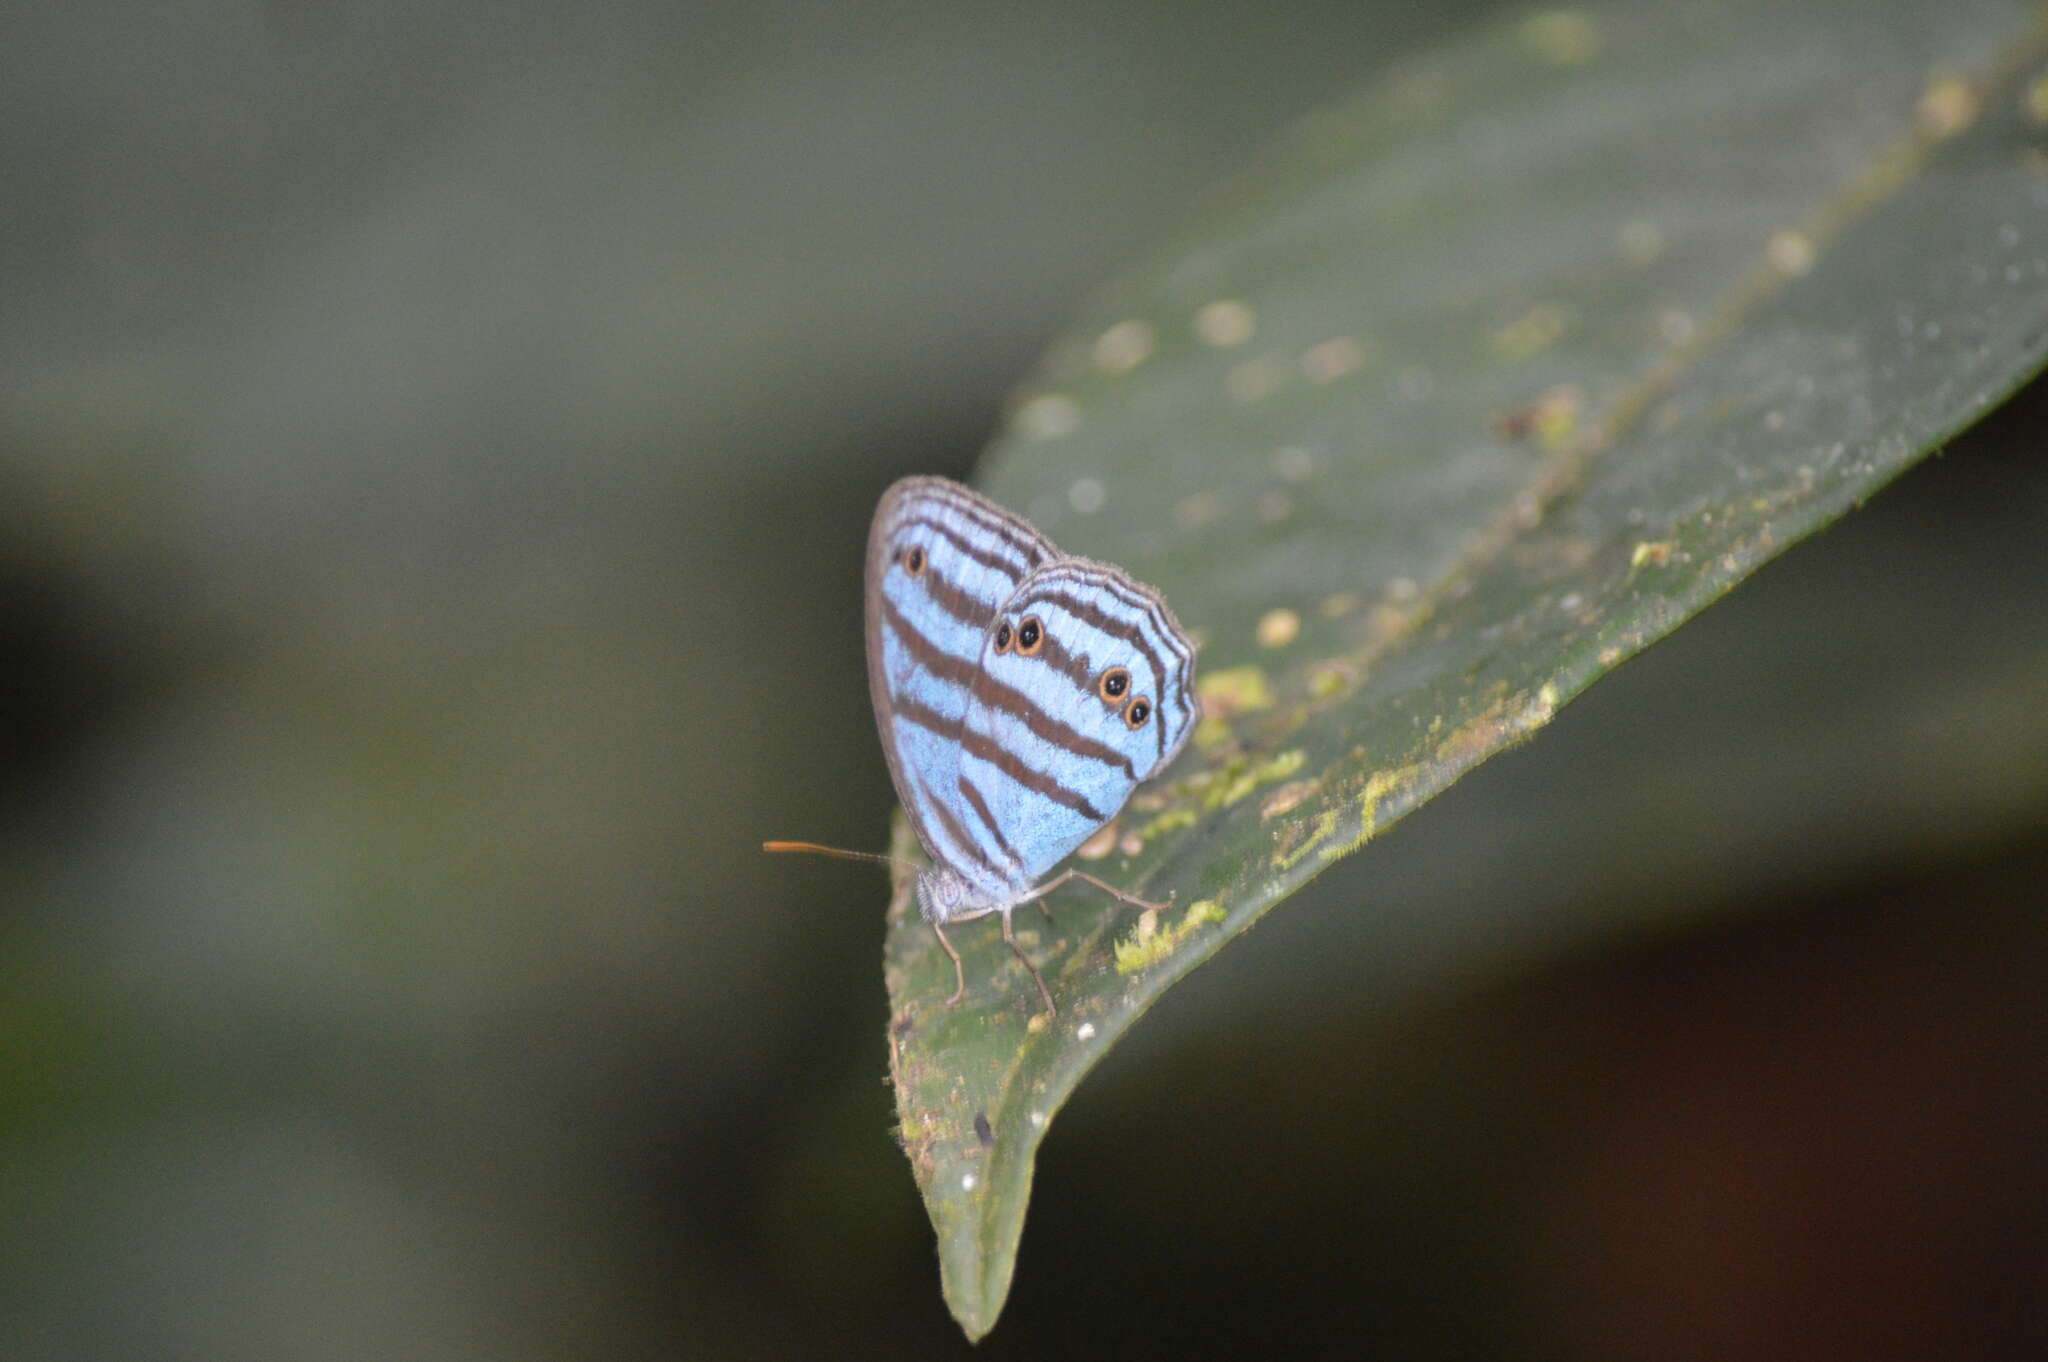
{"x": 941, "y": 561}
{"x": 1085, "y": 688}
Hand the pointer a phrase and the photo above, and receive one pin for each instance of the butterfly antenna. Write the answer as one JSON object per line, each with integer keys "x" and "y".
{"x": 814, "y": 849}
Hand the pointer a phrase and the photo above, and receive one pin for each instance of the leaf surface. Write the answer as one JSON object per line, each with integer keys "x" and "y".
{"x": 1489, "y": 380}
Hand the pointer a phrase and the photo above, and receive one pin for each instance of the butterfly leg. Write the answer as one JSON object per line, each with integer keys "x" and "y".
{"x": 1036, "y": 978}
{"x": 1119, "y": 895}
{"x": 959, "y": 974}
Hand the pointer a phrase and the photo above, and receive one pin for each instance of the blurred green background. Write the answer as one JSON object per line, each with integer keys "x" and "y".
{"x": 436, "y": 449}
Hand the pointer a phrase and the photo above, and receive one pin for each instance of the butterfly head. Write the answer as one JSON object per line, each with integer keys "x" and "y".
{"x": 942, "y": 894}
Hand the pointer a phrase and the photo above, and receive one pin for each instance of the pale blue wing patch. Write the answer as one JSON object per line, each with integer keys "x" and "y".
{"x": 1085, "y": 687}
{"x": 941, "y": 561}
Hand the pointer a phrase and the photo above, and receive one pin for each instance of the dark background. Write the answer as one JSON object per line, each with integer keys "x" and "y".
{"x": 436, "y": 448}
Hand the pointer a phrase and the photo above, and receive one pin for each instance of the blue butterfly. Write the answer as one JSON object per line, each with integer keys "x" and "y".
{"x": 1021, "y": 696}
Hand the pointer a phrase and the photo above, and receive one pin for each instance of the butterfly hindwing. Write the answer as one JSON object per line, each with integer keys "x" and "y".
{"x": 941, "y": 562}
{"x": 1084, "y": 688}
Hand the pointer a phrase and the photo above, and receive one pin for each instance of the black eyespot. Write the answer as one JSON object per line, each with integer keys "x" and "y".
{"x": 913, "y": 560}
{"x": 1003, "y": 637}
{"x": 1137, "y": 712}
{"x": 1030, "y": 636}
{"x": 1114, "y": 685}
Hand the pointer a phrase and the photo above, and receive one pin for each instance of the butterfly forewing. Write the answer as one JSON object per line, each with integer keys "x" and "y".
{"x": 1084, "y": 688}
{"x": 941, "y": 562}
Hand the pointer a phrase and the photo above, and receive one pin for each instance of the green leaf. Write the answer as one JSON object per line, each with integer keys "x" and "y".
{"x": 1493, "y": 378}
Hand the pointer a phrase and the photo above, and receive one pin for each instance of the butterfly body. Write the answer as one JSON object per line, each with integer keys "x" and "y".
{"x": 1020, "y": 695}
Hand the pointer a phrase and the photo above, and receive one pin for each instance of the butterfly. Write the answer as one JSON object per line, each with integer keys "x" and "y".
{"x": 1020, "y": 694}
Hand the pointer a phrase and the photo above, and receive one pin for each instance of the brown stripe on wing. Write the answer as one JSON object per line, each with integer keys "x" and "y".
{"x": 934, "y": 659}
{"x": 978, "y": 683}
{"x": 1148, "y": 606}
{"x": 970, "y": 850}
{"x": 1063, "y": 735}
{"x": 1015, "y": 571}
{"x": 1079, "y": 670}
{"x": 910, "y": 784}
{"x": 1038, "y": 782}
{"x": 988, "y": 819}
{"x": 1092, "y": 615}
{"x": 924, "y": 716}
{"x": 973, "y": 613}
{"x": 1010, "y": 527}
{"x": 1142, "y": 600}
